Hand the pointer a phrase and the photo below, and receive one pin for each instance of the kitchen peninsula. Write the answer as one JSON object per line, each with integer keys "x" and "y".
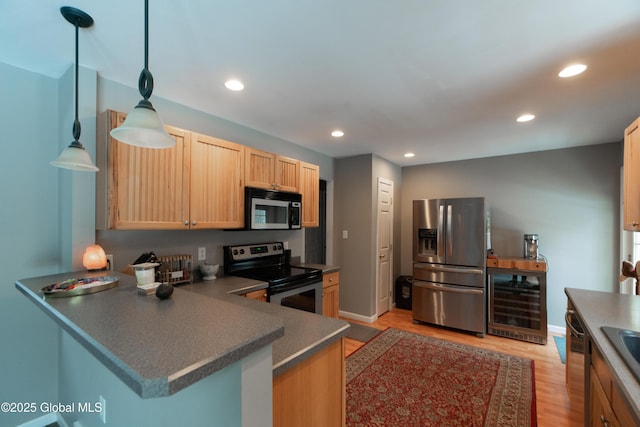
{"x": 611, "y": 390}
{"x": 205, "y": 337}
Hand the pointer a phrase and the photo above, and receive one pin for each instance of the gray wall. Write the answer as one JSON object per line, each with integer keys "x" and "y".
{"x": 128, "y": 245}
{"x": 355, "y": 212}
{"x": 29, "y": 220}
{"x": 569, "y": 197}
{"x": 216, "y": 397}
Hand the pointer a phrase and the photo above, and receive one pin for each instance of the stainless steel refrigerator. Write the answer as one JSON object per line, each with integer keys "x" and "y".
{"x": 449, "y": 263}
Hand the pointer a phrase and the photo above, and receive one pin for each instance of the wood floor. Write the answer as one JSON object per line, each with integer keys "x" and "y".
{"x": 552, "y": 402}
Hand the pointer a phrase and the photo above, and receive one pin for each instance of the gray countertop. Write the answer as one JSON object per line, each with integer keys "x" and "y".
{"x": 599, "y": 309}
{"x": 304, "y": 333}
{"x": 144, "y": 340}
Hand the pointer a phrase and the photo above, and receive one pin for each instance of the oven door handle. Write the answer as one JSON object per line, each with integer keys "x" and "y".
{"x": 567, "y": 319}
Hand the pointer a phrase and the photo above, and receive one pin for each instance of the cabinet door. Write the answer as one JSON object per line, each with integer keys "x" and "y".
{"x": 331, "y": 294}
{"x": 631, "y": 181}
{"x": 310, "y": 190}
{"x": 287, "y": 174}
{"x": 148, "y": 187}
{"x": 600, "y": 413}
{"x": 260, "y": 295}
{"x": 331, "y": 301}
{"x": 217, "y": 172}
{"x": 260, "y": 168}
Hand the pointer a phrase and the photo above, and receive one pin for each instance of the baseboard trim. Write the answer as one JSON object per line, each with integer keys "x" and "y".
{"x": 359, "y": 317}
{"x": 557, "y": 329}
{"x": 561, "y": 330}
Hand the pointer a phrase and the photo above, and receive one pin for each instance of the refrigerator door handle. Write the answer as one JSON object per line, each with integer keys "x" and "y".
{"x": 448, "y": 269}
{"x": 449, "y": 231}
{"x": 447, "y": 288}
{"x": 440, "y": 236}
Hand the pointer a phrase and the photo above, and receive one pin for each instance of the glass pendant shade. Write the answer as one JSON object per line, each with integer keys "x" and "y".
{"x": 76, "y": 158}
{"x": 143, "y": 128}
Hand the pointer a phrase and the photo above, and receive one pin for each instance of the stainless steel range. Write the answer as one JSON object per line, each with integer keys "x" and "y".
{"x": 289, "y": 286}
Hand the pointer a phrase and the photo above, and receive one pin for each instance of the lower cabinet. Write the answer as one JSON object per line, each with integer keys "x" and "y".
{"x": 607, "y": 407}
{"x": 312, "y": 393}
{"x": 331, "y": 294}
{"x": 260, "y": 295}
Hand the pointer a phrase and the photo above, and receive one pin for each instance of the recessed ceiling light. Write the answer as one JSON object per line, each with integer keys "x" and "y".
{"x": 525, "y": 118}
{"x": 337, "y": 133}
{"x": 572, "y": 70}
{"x": 235, "y": 85}
{"x": 409, "y": 155}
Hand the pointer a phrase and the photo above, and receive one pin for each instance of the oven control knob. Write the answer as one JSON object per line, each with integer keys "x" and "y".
{"x": 235, "y": 252}
{"x": 241, "y": 251}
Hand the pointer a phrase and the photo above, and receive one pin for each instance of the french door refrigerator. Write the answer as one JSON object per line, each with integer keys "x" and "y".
{"x": 449, "y": 263}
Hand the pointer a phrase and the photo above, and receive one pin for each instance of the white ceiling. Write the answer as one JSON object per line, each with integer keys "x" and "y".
{"x": 445, "y": 79}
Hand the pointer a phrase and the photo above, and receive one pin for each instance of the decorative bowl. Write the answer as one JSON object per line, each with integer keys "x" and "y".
{"x": 209, "y": 271}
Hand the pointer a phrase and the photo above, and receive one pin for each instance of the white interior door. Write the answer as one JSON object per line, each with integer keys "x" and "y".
{"x": 384, "y": 269}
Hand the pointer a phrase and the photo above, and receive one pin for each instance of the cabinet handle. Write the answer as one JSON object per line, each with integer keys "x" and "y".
{"x": 194, "y": 223}
{"x": 634, "y": 223}
{"x": 186, "y": 223}
{"x": 604, "y": 421}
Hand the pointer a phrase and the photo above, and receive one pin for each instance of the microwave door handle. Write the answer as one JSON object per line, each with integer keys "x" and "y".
{"x": 290, "y": 210}
{"x": 291, "y": 215}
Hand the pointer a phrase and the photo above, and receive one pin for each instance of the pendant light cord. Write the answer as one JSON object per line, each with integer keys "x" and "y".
{"x": 145, "y": 82}
{"x": 76, "y": 122}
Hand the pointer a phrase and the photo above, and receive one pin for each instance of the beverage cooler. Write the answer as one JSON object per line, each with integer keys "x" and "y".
{"x": 518, "y": 304}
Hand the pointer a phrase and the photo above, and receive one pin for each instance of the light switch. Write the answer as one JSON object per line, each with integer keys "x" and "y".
{"x": 345, "y": 234}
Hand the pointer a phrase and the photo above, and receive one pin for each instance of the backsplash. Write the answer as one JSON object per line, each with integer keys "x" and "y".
{"x": 127, "y": 245}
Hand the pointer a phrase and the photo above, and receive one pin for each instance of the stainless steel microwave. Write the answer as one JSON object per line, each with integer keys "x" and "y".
{"x": 272, "y": 210}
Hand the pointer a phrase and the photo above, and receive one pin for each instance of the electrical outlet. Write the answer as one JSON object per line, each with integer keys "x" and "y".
{"x": 202, "y": 254}
{"x": 103, "y": 412}
{"x": 109, "y": 261}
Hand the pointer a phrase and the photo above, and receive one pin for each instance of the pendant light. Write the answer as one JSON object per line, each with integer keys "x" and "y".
{"x": 143, "y": 127}
{"x": 75, "y": 157}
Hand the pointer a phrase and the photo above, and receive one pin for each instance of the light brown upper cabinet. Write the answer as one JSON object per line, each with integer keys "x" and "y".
{"x": 217, "y": 188}
{"x": 631, "y": 174}
{"x": 198, "y": 183}
{"x": 270, "y": 171}
{"x": 142, "y": 188}
{"x": 310, "y": 190}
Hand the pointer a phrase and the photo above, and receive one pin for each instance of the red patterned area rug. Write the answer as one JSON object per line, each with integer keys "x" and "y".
{"x": 404, "y": 379}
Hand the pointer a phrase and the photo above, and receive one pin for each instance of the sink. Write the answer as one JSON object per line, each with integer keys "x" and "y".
{"x": 627, "y": 343}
